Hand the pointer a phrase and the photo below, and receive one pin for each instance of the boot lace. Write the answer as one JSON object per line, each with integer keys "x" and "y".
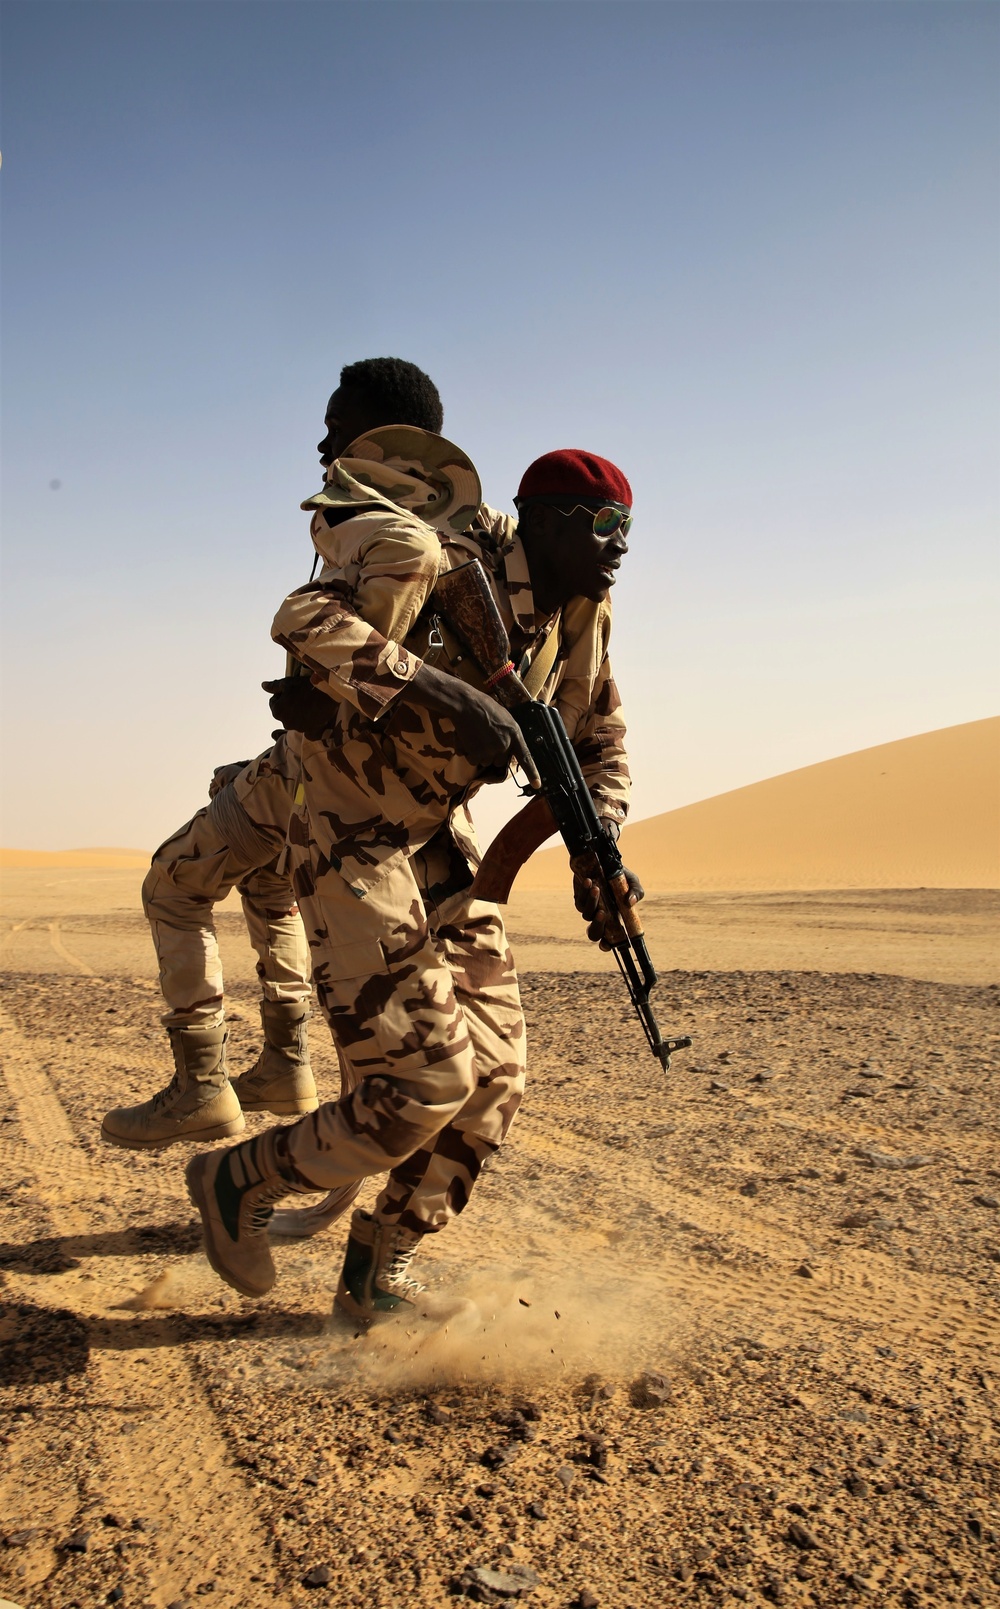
{"x": 259, "y": 1215}
{"x": 396, "y": 1276}
{"x": 165, "y": 1097}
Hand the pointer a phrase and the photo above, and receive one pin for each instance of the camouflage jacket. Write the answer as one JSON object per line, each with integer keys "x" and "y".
{"x": 386, "y": 775}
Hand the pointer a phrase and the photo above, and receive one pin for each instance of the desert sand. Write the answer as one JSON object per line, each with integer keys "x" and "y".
{"x": 732, "y": 1332}
{"x": 923, "y": 812}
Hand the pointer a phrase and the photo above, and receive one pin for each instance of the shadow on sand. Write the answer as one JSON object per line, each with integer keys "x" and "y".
{"x": 39, "y": 1345}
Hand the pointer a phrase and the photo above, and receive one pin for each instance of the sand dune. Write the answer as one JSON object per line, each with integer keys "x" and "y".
{"x": 91, "y": 859}
{"x": 923, "y": 812}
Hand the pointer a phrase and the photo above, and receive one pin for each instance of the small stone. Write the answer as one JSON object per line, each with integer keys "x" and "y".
{"x": 486, "y": 1489}
{"x": 529, "y": 1410}
{"x": 179, "y": 1603}
{"x": 436, "y": 1415}
{"x": 804, "y": 1271}
{"x": 885, "y": 1352}
{"x": 856, "y": 1220}
{"x": 750, "y": 1188}
{"x": 566, "y": 1476}
{"x": 467, "y": 1513}
{"x": 20, "y": 1539}
{"x": 650, "y": 1390}
{"x": 77, "y": 1543}
{"x": 116, "y": 1594}
{"x": 719, "y": 1085}
{"x": 597, "y": 1450}
{"x": 585, "y": 1599}
{"x": 393, "y": 1436}
{"x": 987, "y": 1201}
{"x": 538, "y": 1511}
{"x": 319, "y": 1576}
{"x": 857, "y": 1485}
{"x": 114, "y": 1520}
{"x": 494, "y": 1457}
{"x": 858, "y": 1582}
{"x": 801, "y": 1536}
{"x": 522, "y": 1301}
{"x": 656, "y": 1467}
{"x": 514, "y": 1582}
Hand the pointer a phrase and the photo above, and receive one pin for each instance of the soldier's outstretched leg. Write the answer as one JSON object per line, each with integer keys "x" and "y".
{"x": 388, "y": 996}
{"x": 236, "y": 839}
{"x": 433, "y": 1185}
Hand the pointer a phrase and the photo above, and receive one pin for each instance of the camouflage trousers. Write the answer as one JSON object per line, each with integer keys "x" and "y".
{"x": 235, "y": 842}
{"x": 417, "y": 983}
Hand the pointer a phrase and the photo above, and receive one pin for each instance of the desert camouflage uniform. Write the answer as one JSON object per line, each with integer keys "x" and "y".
{"x": 236, "y": 841}
{"x": 426, "y": 1015}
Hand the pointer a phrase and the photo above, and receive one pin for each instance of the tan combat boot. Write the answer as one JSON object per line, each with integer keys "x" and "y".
{"x": 234, "y": 1191}
{"x": 281, "y": 1079}
{"x": 376, "y": 1281}
{"x": 197, "y": 1104}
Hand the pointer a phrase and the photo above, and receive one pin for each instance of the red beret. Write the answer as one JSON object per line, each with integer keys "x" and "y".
{"x": 572, "y": 473}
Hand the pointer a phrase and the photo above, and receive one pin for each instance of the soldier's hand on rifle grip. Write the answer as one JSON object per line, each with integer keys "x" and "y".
{"x": 605, "y": 927}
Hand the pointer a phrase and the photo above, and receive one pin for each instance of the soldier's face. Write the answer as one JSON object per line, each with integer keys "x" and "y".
{"x": 347, "y": 418}
{"x": 573, "y": 560}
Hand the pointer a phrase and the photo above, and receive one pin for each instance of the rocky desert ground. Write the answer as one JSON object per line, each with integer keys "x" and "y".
{"x": 731, "y": 1336}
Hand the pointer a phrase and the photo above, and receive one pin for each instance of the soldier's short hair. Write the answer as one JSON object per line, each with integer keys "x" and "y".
{"x": 397, "y": 391}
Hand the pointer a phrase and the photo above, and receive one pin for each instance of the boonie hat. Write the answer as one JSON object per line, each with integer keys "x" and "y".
{"x": 408, "y": 468}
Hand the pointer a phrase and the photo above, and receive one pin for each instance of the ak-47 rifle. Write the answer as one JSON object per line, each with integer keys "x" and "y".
{"x": 463, "y": 597}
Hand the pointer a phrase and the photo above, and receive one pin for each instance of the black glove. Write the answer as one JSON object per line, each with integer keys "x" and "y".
{"x": 299, "y": 706}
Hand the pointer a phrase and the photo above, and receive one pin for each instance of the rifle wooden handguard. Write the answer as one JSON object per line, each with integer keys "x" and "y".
{"x": 512, "y": 846}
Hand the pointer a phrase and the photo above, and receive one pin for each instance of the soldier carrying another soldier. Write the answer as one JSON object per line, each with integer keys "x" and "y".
{"x": 398, "y": 731}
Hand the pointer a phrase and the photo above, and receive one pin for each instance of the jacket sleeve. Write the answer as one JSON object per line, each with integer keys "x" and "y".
{"x": 350, "y": 638}
{"x": 589, "y": 703}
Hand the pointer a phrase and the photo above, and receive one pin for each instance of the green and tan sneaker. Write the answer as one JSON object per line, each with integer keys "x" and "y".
{"x": 281, "y": 1079}
{"x": 235, "y": 1192}
{"x": 197, "y": 1104}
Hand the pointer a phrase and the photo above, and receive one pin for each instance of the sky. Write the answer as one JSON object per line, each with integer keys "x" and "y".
{"x": 748, "y": 251}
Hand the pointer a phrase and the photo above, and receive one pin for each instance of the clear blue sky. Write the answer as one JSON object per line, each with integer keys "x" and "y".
{"x": 749, "y": 251}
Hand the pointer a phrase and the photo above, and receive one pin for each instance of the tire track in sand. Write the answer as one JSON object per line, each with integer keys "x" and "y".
{"x": 55, "y": 939}
{"x": 173, "y": 1463}
{"x": 861, "y": 1289}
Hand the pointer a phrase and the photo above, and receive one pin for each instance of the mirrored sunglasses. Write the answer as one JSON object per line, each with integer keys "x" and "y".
{"x": 607, "y": 520}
